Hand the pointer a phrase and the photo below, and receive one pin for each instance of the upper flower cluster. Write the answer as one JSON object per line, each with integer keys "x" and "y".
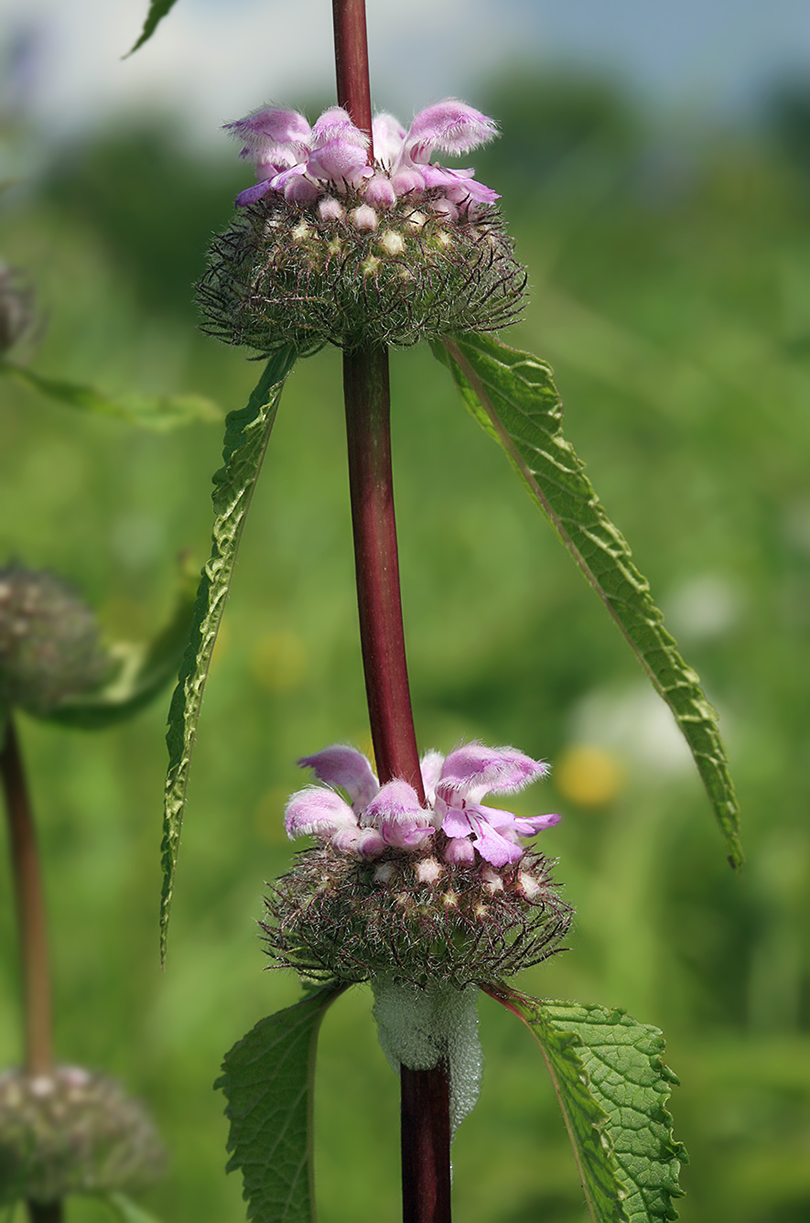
{"x": 378, "y": 817}
{"x": 308, "y": 164}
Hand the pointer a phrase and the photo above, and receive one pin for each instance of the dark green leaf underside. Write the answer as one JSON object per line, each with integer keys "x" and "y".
{"x": 267, "y": 1079}
{"x": 512, "y": 395}
{"x": 159, "y": 412}
{"x": 246, "y": 436}
{"x": 143, "y": 670}
{"x": 157, "y": 11}
{"x": 613, "y": 1088}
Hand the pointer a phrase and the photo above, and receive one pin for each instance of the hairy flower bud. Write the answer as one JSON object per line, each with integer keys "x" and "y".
{"x": 17, "y": 318}
{"x": 72, "y": 1131}
{"x": 50, "y": 647}
{"x": 414, "y": 915}
{"x": 329, "y": 249}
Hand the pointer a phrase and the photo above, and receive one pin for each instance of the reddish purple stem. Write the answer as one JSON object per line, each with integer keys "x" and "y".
{"x": 31, "y": 923}
{"x": 351, "y": 61}
{"x": 425, "y": 1093}
{"x": 368, "y": 428}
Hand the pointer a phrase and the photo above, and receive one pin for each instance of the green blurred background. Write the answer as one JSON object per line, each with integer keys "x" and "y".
{"x": 670, "y": 276}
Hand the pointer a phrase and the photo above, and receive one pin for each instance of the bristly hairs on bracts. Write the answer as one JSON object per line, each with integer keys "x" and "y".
{"x": 327, "y": 249}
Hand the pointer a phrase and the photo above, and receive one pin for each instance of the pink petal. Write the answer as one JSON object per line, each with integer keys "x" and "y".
{"x": 337, "y": 161}
{"x": 317, "y": 812}
{"x": 335, "y": 124}
{"x": 407, "y": 179}
{"x": 458, "y": 184}
{"x": 536, "y": 823}
{"x": 451, "y": 126}
{"x": 388, "y": 136}
{"x": 473, "y": 770}
{"x": 251, "y": 194}
{"x": 430, "y": 767}
{"x": 343, "y": 766}
{"x": 495, "y": 848}
{"x": 270, "y": 126}
{"x": 457, "y": 823}
{"x": 396, "y": 803}
{"x": 301, "y": 190}
{"x": 360, "y": 842}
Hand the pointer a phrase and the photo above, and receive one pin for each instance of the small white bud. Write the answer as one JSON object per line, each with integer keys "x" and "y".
{"x": 428, "y": 870}
{"x": 330, "y": 209}
{"x": 364, "y": 217}
{"x": 392, "y": 243}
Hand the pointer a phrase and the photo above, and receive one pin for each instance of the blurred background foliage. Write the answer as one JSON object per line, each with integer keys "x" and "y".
{"x": 670, "y": 273}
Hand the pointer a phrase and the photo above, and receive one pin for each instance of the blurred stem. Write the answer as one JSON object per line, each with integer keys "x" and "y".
{"x": 31, "y": 924}
{"x": 45, "y": 1212}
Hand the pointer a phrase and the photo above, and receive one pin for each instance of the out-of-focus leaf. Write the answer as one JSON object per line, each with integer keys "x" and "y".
{"x": 268, "y": 1080}
{"x": 127, "y": 1211}
{"x": 142, "y": 669}
{"x": 159, "y": 412}
{"x": 612, "y": 1087}
{"x": 513, "y": 396}
{"x": 247, "y": 433}
{"x": 157, "y": 11}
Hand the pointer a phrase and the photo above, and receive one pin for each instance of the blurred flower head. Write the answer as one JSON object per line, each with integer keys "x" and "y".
{"x": 17, "y": 316}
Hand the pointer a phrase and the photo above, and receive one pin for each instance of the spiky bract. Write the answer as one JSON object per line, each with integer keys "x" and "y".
{"x": 72, "y": 1131}
{"x": 333, "y": 917}
{"x": 284, "y": 273}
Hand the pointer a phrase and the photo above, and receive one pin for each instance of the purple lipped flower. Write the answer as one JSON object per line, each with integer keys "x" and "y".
{"x": 304, "y": 163}
{"x": 377, "y": 817}
{"x": 374, "y": 818}
{"x": 455, "y": 787}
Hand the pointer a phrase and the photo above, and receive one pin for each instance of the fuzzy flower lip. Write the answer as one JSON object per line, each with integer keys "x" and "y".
{"x": 304, "y": 163}
{"x": 379, "y": 817}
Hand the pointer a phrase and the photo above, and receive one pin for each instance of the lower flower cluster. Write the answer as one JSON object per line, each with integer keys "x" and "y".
{"x": 440, "y": 891}
{"x": 334, "y": 917}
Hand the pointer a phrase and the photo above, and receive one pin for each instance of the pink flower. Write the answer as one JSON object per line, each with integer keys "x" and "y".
{"x": 455, "y": 786}
{"x": 377, "y": 817}
{"x": 303, "y": 163}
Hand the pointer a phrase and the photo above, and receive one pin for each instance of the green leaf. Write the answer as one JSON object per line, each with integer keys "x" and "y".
{"x": 159, "y": 412}
{"x": 512, "y": 395}
{"x": 157, "y": 11}
{"x": 268, "y": 1080}
{"x": 247, "y": 433}
{"x": 585, "y": 1119}
{"x": 127, "y": 1211}
{"x": 142, "y": 671}
{"x": 613, "y": 1087}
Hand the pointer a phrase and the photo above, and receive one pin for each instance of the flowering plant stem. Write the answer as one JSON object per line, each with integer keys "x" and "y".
{"x": 32, "y": 927}
{"x": 425, "y": 1113}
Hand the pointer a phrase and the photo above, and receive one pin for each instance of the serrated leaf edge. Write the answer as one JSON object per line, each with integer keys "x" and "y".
{"x": 713, "y": 769}
{"x": 186, "y": 702}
